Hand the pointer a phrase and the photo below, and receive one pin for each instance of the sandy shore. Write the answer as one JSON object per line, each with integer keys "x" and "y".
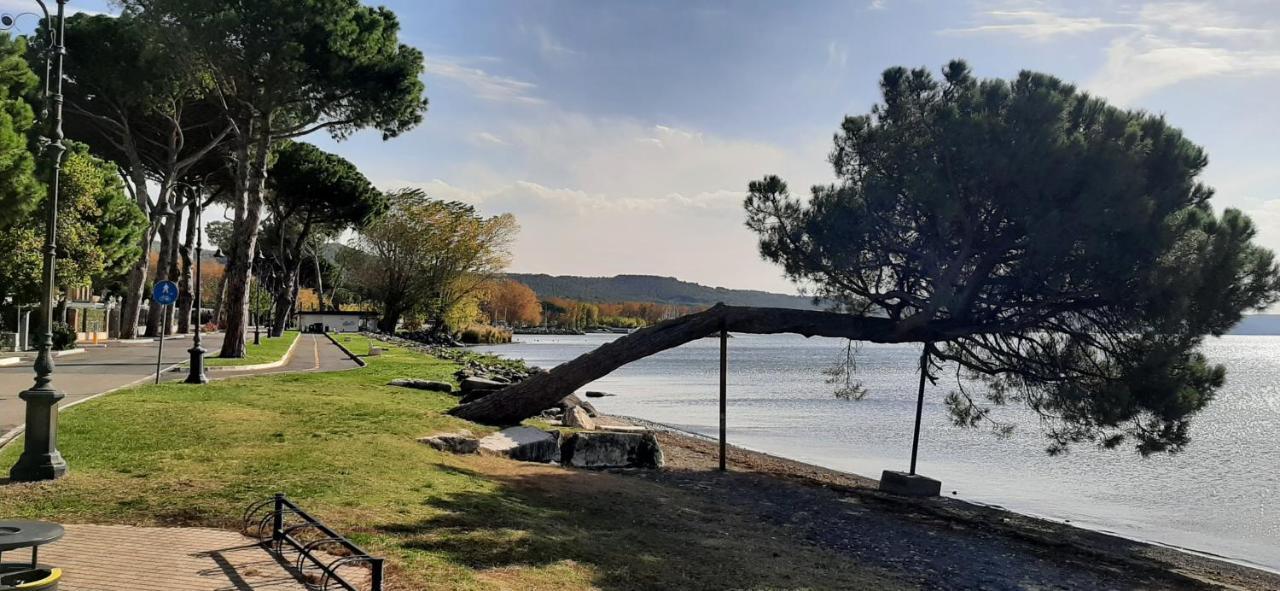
{"x": 939, "y": 543}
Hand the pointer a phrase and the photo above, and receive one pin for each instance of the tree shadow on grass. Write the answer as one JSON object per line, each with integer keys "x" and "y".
{"x": 621, "y": 534}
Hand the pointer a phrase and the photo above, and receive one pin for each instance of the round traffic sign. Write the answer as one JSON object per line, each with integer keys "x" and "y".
{"x": 165, "y": 293}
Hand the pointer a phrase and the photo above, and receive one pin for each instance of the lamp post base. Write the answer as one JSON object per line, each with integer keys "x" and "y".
{"x": 197, "y": 375}
{"x": 909, "y": 485}
{"x": 40, "y": 458}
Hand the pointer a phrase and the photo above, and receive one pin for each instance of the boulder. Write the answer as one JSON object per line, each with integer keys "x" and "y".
{"x": 577, "y": 418}
{"x": 522, "y": 443}
{"x": 462, "y": 442}
{"x": 572, "y": 400}
{"x": 594, "y": 394}
{"x": 422, "y": 385}
{"x": 612, "y": 450}
{"x": 474, "y": 384}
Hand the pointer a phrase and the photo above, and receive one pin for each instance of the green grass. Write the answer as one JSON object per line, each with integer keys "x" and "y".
{"x": 343, "y": 445}
{"x": 270, "y": 350}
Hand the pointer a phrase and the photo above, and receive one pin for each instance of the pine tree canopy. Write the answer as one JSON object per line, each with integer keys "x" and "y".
{"x": 1067, "y": 242}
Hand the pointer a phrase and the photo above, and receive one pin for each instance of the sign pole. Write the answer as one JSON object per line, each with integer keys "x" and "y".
{"x": 160, "y": 349}
{"x": 164, "y": 294}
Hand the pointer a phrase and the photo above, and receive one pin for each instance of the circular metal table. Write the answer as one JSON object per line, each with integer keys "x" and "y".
{"x": 19, "y": 533}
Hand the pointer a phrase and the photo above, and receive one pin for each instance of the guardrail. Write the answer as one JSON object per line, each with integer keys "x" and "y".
{"x": 277, "y": 522}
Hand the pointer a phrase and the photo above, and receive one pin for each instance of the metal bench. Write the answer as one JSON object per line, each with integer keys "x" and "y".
{"x": 277, "y": 523}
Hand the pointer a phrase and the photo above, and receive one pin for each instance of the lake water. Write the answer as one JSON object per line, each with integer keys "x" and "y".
{"x": 1219, "y": 496}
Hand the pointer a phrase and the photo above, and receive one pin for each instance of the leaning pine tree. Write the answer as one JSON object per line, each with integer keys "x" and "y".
{"x": 1056, "y": 248}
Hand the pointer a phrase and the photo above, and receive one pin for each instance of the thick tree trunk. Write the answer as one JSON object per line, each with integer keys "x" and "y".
{"x": 315, "y": 259}
{"x": 286, "y": 298}
{"x": 245, "y": 232}
{"x": 186, "y": 284}
{"x": 154, "y": 311}
{"x": 530, "y": 397}
{"x": 131, "y": 307}
{"x": 217, "y": 301}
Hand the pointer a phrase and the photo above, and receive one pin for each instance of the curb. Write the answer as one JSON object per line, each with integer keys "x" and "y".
{"x": 7, "y": 361}
{"x": 353, "y": 356}
{"x": 288, "y": 356}
{"x": 143, "y": 341}
{"x": 65, "y": 352}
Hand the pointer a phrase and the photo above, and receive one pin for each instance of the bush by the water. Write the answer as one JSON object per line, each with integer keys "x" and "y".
{"x": 479, "y": 334}
{"x": 64, "y": 337}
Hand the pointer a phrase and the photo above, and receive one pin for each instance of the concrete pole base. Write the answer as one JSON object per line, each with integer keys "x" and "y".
{"x": 909, "y": 485}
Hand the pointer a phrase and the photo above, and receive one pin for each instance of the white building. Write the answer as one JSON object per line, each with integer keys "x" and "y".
{"x": 336, "y": 321}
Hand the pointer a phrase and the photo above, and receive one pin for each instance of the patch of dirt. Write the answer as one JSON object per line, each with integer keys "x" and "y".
{"x": 937, "y": 543}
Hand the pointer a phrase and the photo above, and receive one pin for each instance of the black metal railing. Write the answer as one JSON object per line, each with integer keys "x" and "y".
{"x": 277, "y": 523}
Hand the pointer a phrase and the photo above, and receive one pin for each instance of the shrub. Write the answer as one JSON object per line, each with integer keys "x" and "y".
{"x": 477, "y": 334}
{"x": 64, "y": 337}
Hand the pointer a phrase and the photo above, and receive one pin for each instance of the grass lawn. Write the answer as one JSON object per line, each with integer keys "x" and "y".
{"x": 342, "y": 444}
{"x": 270, "y": 351}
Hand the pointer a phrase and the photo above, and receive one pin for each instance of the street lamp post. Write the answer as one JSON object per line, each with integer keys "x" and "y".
{"x": 40, "y": 458}
{"x": 196, "y": 374}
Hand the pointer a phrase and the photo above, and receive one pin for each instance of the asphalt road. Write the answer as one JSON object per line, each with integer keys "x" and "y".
{"x": 101, "y": 368}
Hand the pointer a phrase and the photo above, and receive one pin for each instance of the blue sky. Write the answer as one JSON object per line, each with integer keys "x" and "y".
{"x": 622, "y": 134}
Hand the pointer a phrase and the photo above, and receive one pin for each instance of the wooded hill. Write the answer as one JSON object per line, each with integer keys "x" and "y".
{"x": 652, "y": 288}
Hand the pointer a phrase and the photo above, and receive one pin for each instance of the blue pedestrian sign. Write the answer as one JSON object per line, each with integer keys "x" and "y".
{"x": 165, "y": 293}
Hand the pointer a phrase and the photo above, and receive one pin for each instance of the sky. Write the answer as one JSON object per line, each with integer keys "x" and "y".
{"x": 622, "y": 135}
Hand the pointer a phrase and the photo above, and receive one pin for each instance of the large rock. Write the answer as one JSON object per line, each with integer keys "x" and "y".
{"x": 523, "y": 443}
{"x": 572, "y": 400}
{"x": 577, "y": 418}
{"x": 612, "y": 450}
{"x": 462, "y": 442}
{"x": 422, "y": 385}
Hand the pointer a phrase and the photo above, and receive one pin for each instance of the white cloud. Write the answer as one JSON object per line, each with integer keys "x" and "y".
{"x": 608, "y": 195}
{"x": 484, "y": 138}
{"x": 1137, "y": 66}
{"x": 1037, "y": 25}
{"x": 1154, "y": 46}
{"x": 837, "y": 55}
{"x": 483, "y": 84}
{"x": 549, "y": 47}
{"x": 877, "y": 5}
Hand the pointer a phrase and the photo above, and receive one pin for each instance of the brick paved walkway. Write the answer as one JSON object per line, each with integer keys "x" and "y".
{"x": 127, "y": 558}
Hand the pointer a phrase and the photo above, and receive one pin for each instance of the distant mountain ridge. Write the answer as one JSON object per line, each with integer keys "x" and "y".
{"x": 653, "y": 288}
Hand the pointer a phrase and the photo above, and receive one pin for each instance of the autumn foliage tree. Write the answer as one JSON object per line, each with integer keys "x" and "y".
{"x": 425, "y": 256}
{"x": 511, "y": 303}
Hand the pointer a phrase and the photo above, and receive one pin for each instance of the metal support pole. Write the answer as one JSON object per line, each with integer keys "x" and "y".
{"x": 277, "y": 520}
{"x": 375, "y": 577}
{"x": 164, "y": 317}
{"x": 40, "y": 459}
{"x": 196, "y": 374}
{"x": 924, "y": 372}
{"x": 724, "y": 392}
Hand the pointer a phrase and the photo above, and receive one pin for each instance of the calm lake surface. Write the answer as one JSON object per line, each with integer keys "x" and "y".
{"x": 1220, "y": 496}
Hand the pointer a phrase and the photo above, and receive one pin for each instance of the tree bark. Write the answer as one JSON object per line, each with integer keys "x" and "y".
{"x": 515, "y": 403}
{"x": 186, "y": 296}
{"x": 286, "y": 298}
{"x": 131, "y": 306}
{"x": 167, "y": 235}
{"x": 250, "y": 177}
{"x": 315, "y": 259}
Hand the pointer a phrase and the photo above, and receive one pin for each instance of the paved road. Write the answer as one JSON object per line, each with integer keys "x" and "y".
{"x": 120, "y": 364}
